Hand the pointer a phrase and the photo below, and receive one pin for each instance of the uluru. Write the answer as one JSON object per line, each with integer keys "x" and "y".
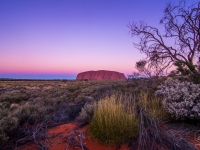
{"x": 100, "y": 75}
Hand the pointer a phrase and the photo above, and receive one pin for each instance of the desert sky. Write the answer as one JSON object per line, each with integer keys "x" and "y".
{"x": 57, "y": 39}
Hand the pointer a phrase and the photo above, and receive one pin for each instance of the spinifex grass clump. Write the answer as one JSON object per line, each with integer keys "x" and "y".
{"x": 152, "y": 104}
{"x": 111, "y": 123}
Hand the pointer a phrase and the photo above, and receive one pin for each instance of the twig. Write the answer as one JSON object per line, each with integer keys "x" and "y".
{"x": 154, "y": 135}
{"x": 76, "y": 139}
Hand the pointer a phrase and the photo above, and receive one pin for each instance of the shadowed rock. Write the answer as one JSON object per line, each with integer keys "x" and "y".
{"x": 100, "y": 75}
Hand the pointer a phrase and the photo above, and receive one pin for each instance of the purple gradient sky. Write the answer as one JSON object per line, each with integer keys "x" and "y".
{"x": 59, "y": 38}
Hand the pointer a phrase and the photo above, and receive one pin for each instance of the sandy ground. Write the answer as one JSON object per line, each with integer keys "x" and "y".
{"x": 59, "y": 137}
{"x": 61, "y": 134}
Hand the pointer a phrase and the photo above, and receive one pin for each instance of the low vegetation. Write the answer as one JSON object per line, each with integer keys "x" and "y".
{"x": 27, "y": 105}
{"x": 153, "y": 104}
{"x": 112, "y": 123}
{"x": 181, "y": 99}
{"x": 111, "y": 108}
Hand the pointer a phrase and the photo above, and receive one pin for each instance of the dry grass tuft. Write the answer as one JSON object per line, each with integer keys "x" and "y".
{"x": 111, "y": 123}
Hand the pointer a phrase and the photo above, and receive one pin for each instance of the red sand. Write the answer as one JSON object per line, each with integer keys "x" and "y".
{"x": 194, "y": 140}
{"x": 59, "y": 140}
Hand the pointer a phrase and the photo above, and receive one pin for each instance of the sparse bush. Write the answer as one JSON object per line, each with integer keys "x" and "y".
{"x": 63, "y": 104}
{"x": 3, "y": 137}
{"x": 5, "y": 105}
{"x": 152, "y": 104}
{"x": 4, "y": 113}
{"x": 28, "y": 113}
{"x": 14, "y": 106}
{"x": 181, "y": 99}
{"x": 9, "y": 124}
{"x": 111, "y": 123}
{"x": 87, "y": 112}
{"x": 73, "y": 88}
{"x": 13, "y": 98}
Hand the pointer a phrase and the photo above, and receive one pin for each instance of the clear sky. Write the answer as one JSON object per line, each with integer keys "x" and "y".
{"x": 48, "y": 39}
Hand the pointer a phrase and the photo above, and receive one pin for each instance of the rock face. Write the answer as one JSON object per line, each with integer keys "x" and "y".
{"x": 100, "y": 75}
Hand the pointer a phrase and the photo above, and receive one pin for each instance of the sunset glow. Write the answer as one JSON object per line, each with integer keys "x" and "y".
{"x": 58, "y": 39}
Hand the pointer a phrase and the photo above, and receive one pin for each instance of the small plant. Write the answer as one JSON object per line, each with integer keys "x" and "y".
{"x": 87, "y": 112}
{"x": 111, "y": 123}
{"x": 13, "y": 98}
{"x": 181, "y": 99}
{"x": 152, "y": 104}
{"x": 3, "y": 137}
{"x": 29, "y": 113}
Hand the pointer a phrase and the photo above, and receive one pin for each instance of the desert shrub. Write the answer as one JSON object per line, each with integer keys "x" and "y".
{"x": 87, "y": 91}
{"x": 111, "y": 123}
{"x": 87, "y": 112}
{"x": 181, "y": 99}
{"x": 101, "y": 91}
{"x": 58, "y": 93}
{"x": 3, "y": 137}
{"x": 9, "y": 124}
{"x": 103, "y": 88}
{"x": 28, "y": 113}
{"x": 73, "y": 88}
{"x": 152, "y": 104}
{"x": 4, "y": 113}
{"x": 13, "y": 98}
{"x": 14, "y": 106}
{"x": 4, "y": 105}
{"x": 61, "y": 115}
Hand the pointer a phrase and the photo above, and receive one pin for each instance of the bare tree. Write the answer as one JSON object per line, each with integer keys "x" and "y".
{"x": 143, "y": 68}
{"x": 181, "y": 24}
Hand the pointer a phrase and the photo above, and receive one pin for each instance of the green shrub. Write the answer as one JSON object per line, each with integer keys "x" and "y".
{"x": 111, "y": 123}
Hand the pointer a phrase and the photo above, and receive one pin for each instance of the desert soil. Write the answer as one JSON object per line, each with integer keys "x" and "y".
{"x": 60, "y": 135}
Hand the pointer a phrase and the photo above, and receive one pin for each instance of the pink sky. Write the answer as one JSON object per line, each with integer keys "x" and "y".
{"x": 68, "y": 37}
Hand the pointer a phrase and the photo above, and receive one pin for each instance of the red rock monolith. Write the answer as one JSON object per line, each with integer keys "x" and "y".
{"x": 100, "y": 75}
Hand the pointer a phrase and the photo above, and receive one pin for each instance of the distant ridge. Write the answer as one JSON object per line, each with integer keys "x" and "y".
{"x": 101, "y": 75}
